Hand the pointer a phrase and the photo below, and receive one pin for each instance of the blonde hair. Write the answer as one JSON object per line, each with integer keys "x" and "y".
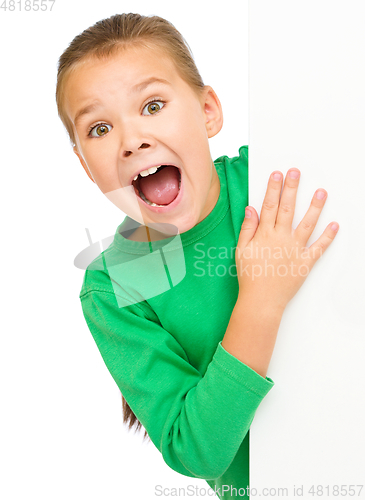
{"x": 121, "y": 31}
{"x": 104, "y": 39}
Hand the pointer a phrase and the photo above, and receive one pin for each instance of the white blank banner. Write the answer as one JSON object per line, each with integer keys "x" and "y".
{"x": 307, "y": 109}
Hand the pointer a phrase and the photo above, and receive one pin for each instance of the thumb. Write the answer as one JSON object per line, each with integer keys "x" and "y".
{"x": 249, "y": 226}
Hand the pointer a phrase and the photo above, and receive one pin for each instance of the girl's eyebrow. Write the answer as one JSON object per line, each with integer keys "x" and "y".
{"x": 143, "y": 85}
{"x": 136, "y": 88}
{"x": 85, "y": 110}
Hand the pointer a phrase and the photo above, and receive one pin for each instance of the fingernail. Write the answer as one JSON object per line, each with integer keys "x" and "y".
{"x": 294, "y": 174}
{"x": 276, "y": 177}
{"x": 320, "y": 195}
{"x": 247, "y": 213}
{"x": 334, "y": 227}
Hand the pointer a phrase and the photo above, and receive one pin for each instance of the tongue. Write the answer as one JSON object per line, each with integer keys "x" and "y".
{"x": 162, "y": 187}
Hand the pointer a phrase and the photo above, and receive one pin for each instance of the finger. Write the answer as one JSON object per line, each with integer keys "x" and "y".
{"x": 287, "y": 201}
{"x": 271, "y": 201}
{"x": 309, "y": 221}
{"x": 248, "y": 228}
{"x": 323, "y": 242}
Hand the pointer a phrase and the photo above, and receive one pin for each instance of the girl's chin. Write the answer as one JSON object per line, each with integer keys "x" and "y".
{"x": 173, "y": 226}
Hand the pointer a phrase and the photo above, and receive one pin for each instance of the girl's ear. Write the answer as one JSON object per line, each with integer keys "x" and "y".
{"x": 82, "y": 161}
{"x": 213, "y": 112}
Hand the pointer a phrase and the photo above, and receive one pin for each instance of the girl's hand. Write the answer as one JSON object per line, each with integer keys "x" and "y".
{"x": 271, "y": 257}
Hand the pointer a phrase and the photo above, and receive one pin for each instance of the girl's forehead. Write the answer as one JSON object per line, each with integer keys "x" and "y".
{"x": 132, "y": 58}
{"x": 126, "y": 66}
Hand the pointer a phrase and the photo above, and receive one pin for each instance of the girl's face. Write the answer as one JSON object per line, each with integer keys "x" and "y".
{"x": 119, "y": 133}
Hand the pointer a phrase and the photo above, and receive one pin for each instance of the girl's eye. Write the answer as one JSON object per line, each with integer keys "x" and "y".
{"x": 99, "y": 130}
{"x": 153, "y": 107}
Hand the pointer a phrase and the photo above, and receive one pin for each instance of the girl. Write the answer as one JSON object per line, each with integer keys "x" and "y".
{"x": 185, "y": 304}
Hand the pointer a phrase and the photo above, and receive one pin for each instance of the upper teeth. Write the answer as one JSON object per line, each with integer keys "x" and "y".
{"x": 148, "y": 171}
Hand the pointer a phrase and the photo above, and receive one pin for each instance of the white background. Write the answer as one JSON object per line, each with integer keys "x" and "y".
{"x": 307, "y": 110}
{"x": 61, "y": 424}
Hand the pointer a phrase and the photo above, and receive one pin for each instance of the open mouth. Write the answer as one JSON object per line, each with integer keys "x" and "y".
{"x": 158, "y": 186}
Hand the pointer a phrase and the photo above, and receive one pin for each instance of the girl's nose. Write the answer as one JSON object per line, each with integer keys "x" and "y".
{"x": 144, "y": 145}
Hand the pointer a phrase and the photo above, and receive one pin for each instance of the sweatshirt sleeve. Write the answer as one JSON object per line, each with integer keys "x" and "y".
{"x": 197, "y": 422}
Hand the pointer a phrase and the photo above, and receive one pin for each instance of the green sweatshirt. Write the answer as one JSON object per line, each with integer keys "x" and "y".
{"x": 158, "y": 313}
